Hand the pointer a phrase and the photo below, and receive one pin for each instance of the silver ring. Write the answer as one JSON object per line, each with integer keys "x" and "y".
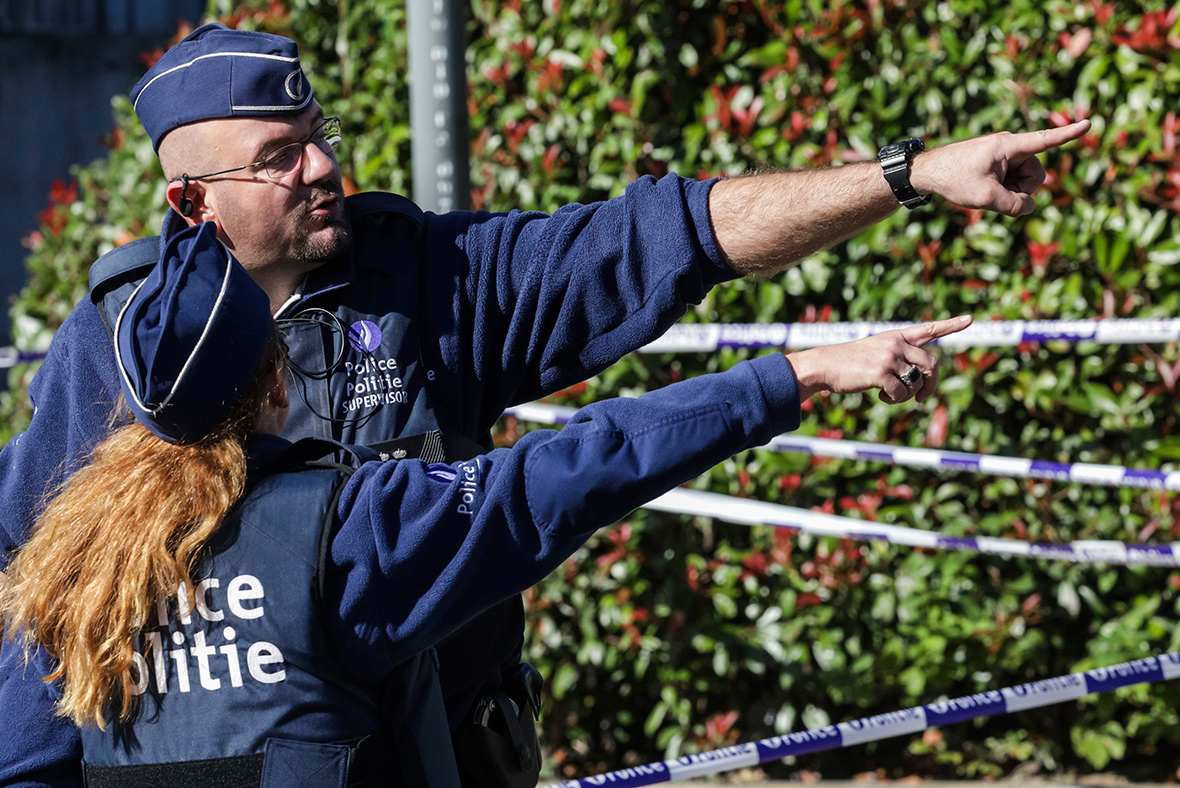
{"x": 911, "y": 377}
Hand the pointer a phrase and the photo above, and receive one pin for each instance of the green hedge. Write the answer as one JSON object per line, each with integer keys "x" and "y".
{"x": 665, "y": 636}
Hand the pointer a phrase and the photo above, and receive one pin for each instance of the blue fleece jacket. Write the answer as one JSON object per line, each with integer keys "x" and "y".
{"x": 514, "y": 306}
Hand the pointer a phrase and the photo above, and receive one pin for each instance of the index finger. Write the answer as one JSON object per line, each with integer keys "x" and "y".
{"x": 926, "y": 332}
{"x": 1032, "y": 142}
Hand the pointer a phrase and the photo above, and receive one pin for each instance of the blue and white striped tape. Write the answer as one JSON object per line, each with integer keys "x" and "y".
{"x": 1080, "y": 472}
{"x": 10, "y": 357}
{"x": 708, "y": 337}
{"x": 742, "y": 511}
{"x": 1033, "y": 695}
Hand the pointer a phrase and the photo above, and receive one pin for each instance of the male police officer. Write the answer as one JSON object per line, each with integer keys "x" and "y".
{"x": 413, "y": 332}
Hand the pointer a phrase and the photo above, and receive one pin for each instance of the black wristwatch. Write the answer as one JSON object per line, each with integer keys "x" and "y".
{"x": 895, "y": 163}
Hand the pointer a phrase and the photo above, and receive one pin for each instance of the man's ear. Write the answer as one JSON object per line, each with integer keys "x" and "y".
{"x": 280, "y": 396}
{"x": 182, "y": 191}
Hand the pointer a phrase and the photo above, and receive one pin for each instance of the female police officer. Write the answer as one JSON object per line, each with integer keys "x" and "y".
{"x": 216, "y": 610}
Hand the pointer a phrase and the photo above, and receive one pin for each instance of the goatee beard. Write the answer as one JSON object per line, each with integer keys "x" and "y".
{"x": 313, "y": 246}
{"x": 320, "y": 249}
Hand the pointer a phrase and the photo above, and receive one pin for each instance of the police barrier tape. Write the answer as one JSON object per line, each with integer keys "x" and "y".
{"x": 746, "y": 512}
{"x": 1033, "y": 695}
{"x": 10, "y": 357}
{"x": 1081, "y": 472}
{"x": 708, "y": 337}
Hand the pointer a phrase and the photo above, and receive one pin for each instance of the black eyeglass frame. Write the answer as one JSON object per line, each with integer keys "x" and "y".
{"x": 333, "y": 141}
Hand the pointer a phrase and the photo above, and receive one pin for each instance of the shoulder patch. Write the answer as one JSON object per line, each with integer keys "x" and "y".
{"x": 441, "y": 473}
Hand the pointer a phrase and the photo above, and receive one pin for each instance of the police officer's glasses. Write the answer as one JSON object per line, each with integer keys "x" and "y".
{"x": 288, "y": 158}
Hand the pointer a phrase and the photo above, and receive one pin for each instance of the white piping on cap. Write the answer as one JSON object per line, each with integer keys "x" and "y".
{"x": 188, "y": 361}
{"x": 278, "y": 108}
{"x": 212, "y": 54}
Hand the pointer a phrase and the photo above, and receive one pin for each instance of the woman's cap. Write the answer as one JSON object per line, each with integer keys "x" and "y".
{"x": 217, "y": 72}
{"x": 189, "y": 341}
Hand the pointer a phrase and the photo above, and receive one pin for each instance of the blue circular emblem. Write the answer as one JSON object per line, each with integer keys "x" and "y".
{"x": 365, "y": 336}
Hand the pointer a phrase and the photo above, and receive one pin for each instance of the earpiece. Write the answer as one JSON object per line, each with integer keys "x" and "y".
{"x": 184, "y": 203}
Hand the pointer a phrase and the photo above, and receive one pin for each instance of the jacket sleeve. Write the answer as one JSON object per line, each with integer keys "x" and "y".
{"x": 74, "y": 392}
{"x": 424, "y": 548}
{"x": 544, "y": 301}
{"x": 39, "y": 750}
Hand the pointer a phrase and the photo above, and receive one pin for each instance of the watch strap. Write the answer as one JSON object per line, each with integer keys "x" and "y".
{"x": 898, "y": 178}
{"x": 895, "y": 165}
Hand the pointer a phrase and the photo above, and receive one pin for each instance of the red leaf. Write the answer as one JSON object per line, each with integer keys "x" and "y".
{"x": 149, "y": 59}
{"x": 928, "y": 252}
{"x": 620, "y": 536}
{"x": 717, "y": 726}
{"x": 772, "y": 72}
{"x": 808, "y": 600}
{"x": 61, "y": 194}
{"x": 939, "y": 423}
{"x": 54, "y": 219}
{"x": 1077, "y": 43}
{"x": 549, "y": 163}
{"x": 747, "y": 117}
{"x": 756, "y": 563}
{"x": 973, "y": 214}
{"x": 609, "y": 559}
{"x": 1102, "y": 11}
{"x": 1042, "y": 253}
{"x": 986, "y": 360}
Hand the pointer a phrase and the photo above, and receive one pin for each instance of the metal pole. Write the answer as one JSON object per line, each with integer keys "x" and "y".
{"x": 438, "y": 105}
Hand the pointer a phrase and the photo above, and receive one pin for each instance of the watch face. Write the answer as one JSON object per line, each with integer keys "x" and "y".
{"x": 913, "y": 145}
{"x": 905, "y": 148}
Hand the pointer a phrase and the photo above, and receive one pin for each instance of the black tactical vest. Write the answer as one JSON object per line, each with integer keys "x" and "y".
{"x": 239, "y": 687}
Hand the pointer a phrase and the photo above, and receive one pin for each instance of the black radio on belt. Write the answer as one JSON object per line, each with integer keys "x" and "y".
{"x": 500, "y": 737}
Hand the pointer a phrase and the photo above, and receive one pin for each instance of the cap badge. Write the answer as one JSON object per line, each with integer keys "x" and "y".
{"x": 295, "y": 78}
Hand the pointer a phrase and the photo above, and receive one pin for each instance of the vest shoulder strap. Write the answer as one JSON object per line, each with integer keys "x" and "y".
{"x": 366, "y": 204}
{"x": 117, "y": 273}
{"x": 319, "y": 454}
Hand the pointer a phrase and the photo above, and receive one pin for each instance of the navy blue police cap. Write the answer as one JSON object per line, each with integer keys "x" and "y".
{"x": 189, "y": 341}
{"x": 217, "y": 72}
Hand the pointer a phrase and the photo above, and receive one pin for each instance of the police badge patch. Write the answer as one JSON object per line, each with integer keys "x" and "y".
{"x": 441, "y": 473}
